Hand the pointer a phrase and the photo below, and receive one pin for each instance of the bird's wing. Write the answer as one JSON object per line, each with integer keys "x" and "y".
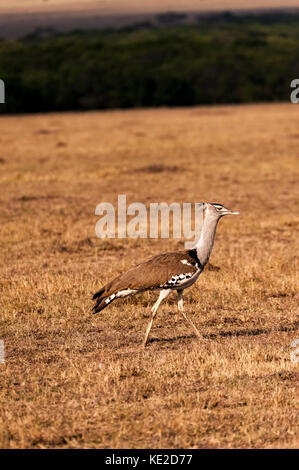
{"x": 161, "y": 271}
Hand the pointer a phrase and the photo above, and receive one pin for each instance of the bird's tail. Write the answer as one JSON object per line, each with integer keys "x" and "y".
{"x": 102, "y": 300}
{"x": 98, "y": 294}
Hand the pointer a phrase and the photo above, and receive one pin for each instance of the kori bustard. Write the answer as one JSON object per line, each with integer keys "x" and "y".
{"x": 168, "y": 271}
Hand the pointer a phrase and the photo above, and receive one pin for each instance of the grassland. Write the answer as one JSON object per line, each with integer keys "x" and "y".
{"x": 71, "y": 379}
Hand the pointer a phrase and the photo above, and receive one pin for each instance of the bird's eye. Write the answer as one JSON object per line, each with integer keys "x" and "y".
{"x": 218, "y": 207}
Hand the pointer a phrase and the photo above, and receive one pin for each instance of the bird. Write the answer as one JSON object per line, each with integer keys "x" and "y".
{"x": 168, "y": 271}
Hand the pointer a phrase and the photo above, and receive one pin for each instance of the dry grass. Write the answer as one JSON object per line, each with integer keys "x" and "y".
{"x": 75, "y": 380}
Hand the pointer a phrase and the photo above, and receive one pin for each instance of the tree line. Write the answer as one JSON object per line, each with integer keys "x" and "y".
{"x": 228, "y": 59}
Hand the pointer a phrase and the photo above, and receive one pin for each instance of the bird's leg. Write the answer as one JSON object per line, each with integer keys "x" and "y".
{"x": 180, "y": 300}
{"x": 181, "y": 309}
{"x": 163, "y": 295}
{"x": 193, "y": 326}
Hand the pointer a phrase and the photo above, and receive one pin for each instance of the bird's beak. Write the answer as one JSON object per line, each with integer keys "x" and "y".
{"x": 233, "y": 213}
{"x": 229, "y": 212}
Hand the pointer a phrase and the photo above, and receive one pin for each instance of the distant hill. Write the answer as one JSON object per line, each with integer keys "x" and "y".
{"x": 19, "y": 17}
{"x": 121, "y": 7}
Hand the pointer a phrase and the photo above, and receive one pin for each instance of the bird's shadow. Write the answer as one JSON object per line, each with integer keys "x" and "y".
{"x": 236, "y": 333}
{"x": 170, "y": 340}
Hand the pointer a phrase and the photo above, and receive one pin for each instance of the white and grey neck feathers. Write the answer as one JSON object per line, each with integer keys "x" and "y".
{"x": 205, "y": 242}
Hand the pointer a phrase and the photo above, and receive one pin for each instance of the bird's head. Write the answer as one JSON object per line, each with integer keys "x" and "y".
{"x": 218, "y": 210}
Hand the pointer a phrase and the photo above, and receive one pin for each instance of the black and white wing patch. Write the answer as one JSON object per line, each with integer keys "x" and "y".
{"x": 180, "y": 280}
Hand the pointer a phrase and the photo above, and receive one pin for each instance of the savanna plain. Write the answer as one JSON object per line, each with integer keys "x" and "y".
{"x": 71, "y": 379}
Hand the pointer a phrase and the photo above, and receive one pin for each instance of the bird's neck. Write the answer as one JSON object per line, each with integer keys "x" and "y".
{"x": 205, "y": 242}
